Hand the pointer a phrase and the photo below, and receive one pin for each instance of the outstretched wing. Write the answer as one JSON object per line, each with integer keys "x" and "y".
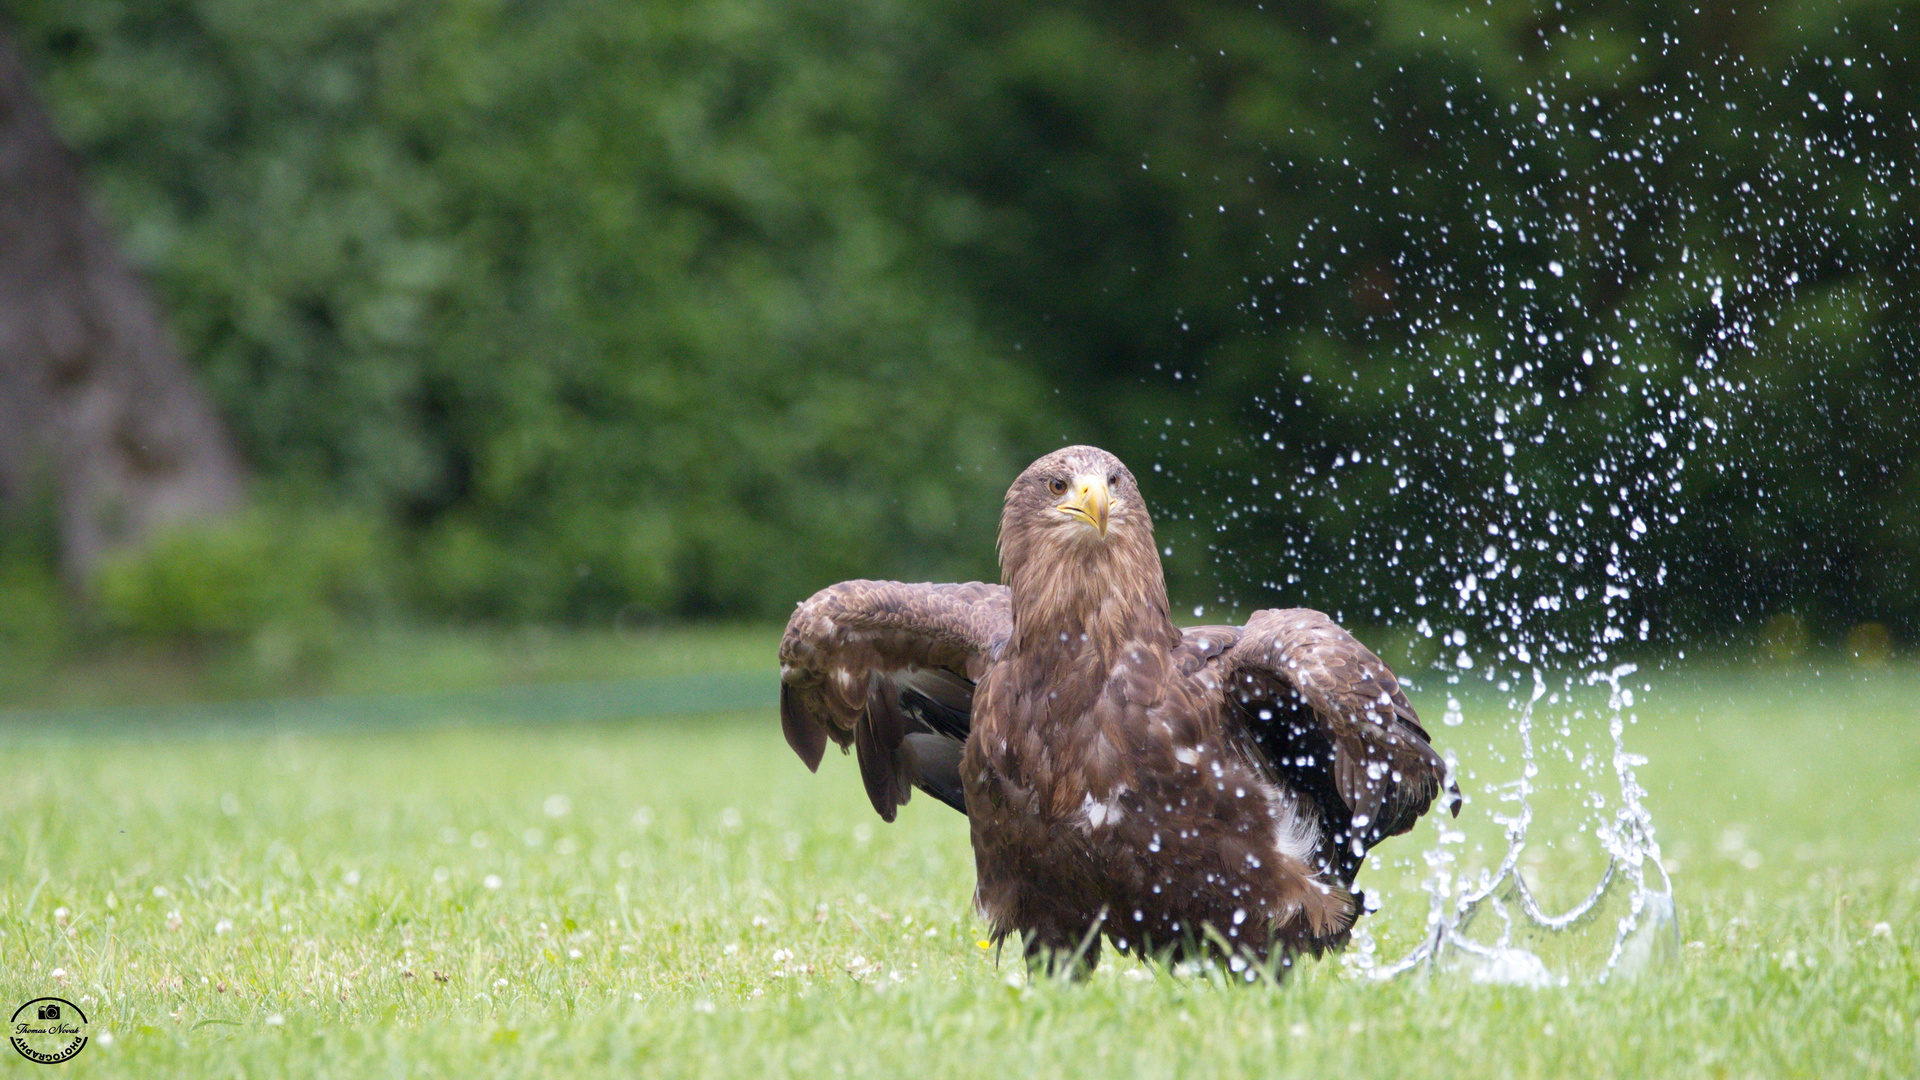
{"x": 889, "y": 668}
{"x": 1330, "y": 719}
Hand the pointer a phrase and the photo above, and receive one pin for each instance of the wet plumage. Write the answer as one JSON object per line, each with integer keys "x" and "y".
{"x": 1169, "y": 790}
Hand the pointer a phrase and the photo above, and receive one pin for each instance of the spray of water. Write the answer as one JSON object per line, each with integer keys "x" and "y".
{"x": 1644, "y": 931}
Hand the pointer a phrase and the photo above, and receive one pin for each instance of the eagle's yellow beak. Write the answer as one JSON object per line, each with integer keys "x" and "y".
{"x": 1089, "y": 500}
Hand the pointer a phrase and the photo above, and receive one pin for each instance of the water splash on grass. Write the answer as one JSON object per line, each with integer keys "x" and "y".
{"x": 1644, "y": 931}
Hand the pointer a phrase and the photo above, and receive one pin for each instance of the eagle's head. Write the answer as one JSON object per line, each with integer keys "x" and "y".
{"x": 1076, "y": 544}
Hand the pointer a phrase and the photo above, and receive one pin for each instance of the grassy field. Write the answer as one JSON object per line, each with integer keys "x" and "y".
{"x": 678, "y": 896}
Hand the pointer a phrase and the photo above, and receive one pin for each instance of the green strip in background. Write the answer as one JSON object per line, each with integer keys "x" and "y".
{"x": 556, "y": 703}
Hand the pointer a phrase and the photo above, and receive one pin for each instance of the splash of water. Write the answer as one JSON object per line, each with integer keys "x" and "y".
{"x": 1643, "y": 932}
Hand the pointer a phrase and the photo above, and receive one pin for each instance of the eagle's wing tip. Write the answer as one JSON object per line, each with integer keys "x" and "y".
{"x": 804, "y": 733}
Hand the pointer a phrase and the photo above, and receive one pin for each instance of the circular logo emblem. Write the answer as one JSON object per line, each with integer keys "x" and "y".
{"x": 48, "y": 1030}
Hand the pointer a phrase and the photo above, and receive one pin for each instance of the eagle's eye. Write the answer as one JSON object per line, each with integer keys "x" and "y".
{"x": 1113, "y": 480}
{"x": 1057, "y": 486}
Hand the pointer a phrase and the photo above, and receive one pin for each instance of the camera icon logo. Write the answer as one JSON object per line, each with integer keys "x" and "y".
{"x": 49, "y": 1011}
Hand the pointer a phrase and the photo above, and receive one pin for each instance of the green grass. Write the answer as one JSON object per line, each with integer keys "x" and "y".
{"x": 390, "y": 659}
{"x": 419, "y": 903}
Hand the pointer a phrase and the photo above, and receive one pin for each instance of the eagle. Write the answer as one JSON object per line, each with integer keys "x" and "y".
{"x": 1180, "y": 793}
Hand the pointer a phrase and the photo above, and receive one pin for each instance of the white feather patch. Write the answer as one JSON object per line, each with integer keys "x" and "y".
{"x": 1098, "y": 814}
{"x": 1296, "y": 829}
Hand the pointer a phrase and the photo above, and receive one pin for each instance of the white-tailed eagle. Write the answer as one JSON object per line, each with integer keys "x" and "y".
{"x": 1214, "y": 788}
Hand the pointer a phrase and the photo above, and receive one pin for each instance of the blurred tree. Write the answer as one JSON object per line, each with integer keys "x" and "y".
{"x": 604, "y": 304}
{"x": 95, "y": 404}
{"x": 692, "y": 306}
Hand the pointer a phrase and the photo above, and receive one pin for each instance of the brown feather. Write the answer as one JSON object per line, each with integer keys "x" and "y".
{"x": 1326, "y": 696}
{"x": 886, "y": 767}
{"x": 806, "y": 735}
{"x": 849, "y": 652}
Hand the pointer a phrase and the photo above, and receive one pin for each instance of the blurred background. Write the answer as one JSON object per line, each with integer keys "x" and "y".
{"x": 1509, "y": 326}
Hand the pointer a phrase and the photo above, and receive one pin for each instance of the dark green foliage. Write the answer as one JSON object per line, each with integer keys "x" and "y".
{"x": 36, "y": 618}
{"x": 601, "y": 304}
{"x": 276, "y": 580}
{"x": 692, "y": 307}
